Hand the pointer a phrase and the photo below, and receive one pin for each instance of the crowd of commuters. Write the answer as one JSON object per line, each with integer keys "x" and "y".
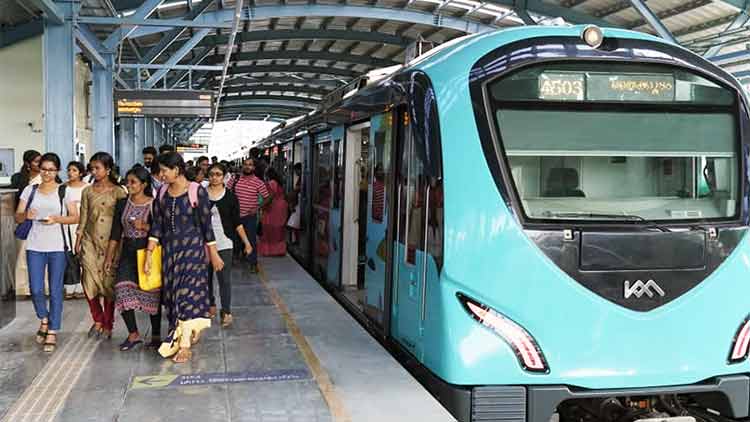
{"x": 203, "y": 217}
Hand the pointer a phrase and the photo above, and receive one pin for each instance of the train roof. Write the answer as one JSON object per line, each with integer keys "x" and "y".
{"x": 452, "y": 58}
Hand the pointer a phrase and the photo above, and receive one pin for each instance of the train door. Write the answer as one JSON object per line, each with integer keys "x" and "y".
{"x": 378, "y": 178}
{"x": 408, "y": 263}
{"x": 299, "y": 244}
{"x": 355, "y": 194}
{"x": 322, "y": 198}
{"x": 335, "y": 233}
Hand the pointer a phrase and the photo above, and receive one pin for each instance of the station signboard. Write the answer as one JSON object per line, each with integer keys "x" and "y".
{"x": 155, "y": 103}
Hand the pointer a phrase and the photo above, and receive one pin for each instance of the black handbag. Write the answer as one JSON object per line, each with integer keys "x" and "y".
{"x": 72, "y": 263}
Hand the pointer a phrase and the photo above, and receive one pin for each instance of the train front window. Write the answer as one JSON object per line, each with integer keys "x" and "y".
{"x": 618, "y": 142}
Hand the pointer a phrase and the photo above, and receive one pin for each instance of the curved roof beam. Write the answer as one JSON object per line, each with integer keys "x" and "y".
{"x": 291, "y": 99}
{"x": 271, "y": 101}
{"x": 276, "y": 88}
{"x": 310, "y": 10}
{"x": 249, "y": 80}
{"x": 278, "y": 68}
{"x": 309, "y": 34}
{"x": 310, "y": 55}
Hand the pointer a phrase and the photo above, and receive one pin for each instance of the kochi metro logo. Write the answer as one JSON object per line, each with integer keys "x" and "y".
{"x": 639, "y": 288}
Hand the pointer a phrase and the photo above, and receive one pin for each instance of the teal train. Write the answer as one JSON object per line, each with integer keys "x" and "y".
{"x": 542, "y": 223}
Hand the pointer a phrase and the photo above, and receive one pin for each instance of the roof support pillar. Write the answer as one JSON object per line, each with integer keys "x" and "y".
{"x": 653, "y": 20}
{"x": 140, "y": 140}
{"x": 103, "y": 105}
{"x": 59, "y": 85}
{"x": 126, "y": 143}
{"x": 149, "y": 139}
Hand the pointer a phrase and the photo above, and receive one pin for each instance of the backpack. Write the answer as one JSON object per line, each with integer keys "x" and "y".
{"x": 193, "y": 198}
{"x": 192, "y": 193}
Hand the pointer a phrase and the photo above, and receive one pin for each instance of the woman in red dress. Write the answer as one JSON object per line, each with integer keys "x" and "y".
{"x": 274, "y": 218}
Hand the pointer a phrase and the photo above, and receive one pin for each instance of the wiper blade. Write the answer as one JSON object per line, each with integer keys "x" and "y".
{"x": 650, "y": 224}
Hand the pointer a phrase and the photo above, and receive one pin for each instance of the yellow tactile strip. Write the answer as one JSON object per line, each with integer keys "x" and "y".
{"x": 46, "y": 395}
{"x": 332, "y": 398}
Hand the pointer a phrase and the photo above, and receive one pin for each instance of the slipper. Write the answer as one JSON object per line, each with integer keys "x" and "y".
{"x": 127, "y": 344}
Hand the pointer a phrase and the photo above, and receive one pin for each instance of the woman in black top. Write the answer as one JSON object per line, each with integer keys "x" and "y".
{"x": 225, "y": 221}
{"x": 30, "y": 172}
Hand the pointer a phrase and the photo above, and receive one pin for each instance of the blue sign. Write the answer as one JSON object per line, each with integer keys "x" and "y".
{"x": 167, "y": 381}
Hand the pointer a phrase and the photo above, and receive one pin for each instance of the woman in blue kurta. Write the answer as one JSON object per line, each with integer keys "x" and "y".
{"x": 183, "y": 229}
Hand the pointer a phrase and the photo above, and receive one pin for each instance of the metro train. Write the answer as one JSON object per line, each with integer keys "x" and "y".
{"x": 544, "y": 223}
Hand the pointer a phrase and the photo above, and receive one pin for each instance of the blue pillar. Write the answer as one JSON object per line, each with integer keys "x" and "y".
{"x": 103, "y": 106}
{"x": 126, "y": 158}
{"x": 140, "y": 139}
{"x": 59, "y": 85}
{"x": 149, "y": 132}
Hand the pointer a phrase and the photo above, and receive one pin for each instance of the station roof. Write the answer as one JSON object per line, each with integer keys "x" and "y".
{"x": 288, "y": 54}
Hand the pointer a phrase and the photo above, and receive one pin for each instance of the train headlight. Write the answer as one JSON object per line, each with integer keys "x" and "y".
{"x": 741, "y": 343}
{"x": 529, "y": 355}
{"x": 593, "y": 36}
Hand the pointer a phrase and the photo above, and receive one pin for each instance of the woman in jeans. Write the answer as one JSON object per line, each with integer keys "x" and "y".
{"x": 130, "y": 228}
{"x": 45, "y": 246}
{"x": 225, "y": 220}
{"x": 182, "y": 225}
{"x": 97, "y": 212}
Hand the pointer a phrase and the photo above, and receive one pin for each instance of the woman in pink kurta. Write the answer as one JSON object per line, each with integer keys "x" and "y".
{"x": 273, "y": 241}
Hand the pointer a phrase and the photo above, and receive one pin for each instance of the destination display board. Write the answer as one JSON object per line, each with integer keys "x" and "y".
{"x": 155, "y": 103}
{"x": 580, "y": 86}
{"x": 192, "y": 148}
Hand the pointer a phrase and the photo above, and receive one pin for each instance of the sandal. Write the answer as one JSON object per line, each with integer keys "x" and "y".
{"x": 127, "y": 344}
{"x": 95, "y": 331}
{"x": 50, "y": 345}
{"x": 106, "y": 334}
{"x": 183, "y": 355}
{"x": 41, "y": 334}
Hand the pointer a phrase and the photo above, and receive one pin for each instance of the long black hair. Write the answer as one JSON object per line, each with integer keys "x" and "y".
{"x": 173, "y": 160}
{"x": 78, "y": 165}
{"x": 28, "y": 157}
{"x": 144, "y": 176}
{"x": 272, "y": 174}
{"x": 108, "y": 162}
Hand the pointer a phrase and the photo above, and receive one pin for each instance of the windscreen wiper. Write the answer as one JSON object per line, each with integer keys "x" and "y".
{"x": 650, "y": 224}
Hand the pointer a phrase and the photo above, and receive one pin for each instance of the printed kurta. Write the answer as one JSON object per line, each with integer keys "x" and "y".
{"x": 97, "y": 213}
{"x": 183, "y": 232}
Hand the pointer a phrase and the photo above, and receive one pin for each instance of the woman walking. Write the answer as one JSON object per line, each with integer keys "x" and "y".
{"x": 29, "y": 175}
{"x": 75, "y": 186}
{"x": 130, "y": 228}
{"x": 226, "y": 224}
{"x": 182, "y": 225}
{"x": 48, "y": 210}
{"x": 97, "y": 212}
{"x": 274, "y": 219}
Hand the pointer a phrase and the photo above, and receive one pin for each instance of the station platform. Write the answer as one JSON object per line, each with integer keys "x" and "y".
{"x": 293, "y": 354}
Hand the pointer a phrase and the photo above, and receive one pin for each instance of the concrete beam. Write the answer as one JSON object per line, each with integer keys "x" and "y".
{"x": 22, "y": 32}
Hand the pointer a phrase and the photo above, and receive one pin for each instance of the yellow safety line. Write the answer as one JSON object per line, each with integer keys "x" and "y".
{"x": 332, "y": 398}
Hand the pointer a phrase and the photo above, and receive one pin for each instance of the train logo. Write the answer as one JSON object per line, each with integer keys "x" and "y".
{"x": 639, "y": 288}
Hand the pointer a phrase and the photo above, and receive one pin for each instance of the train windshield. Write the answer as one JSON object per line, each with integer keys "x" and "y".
{"x": 589, "y": 141}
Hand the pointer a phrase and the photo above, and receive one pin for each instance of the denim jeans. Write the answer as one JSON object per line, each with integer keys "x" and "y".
{"x": 250, "y": 223}
{"x": 54, "y": 263}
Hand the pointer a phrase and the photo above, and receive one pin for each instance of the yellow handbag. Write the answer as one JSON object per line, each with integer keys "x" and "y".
{"x": 153, "y": 280}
